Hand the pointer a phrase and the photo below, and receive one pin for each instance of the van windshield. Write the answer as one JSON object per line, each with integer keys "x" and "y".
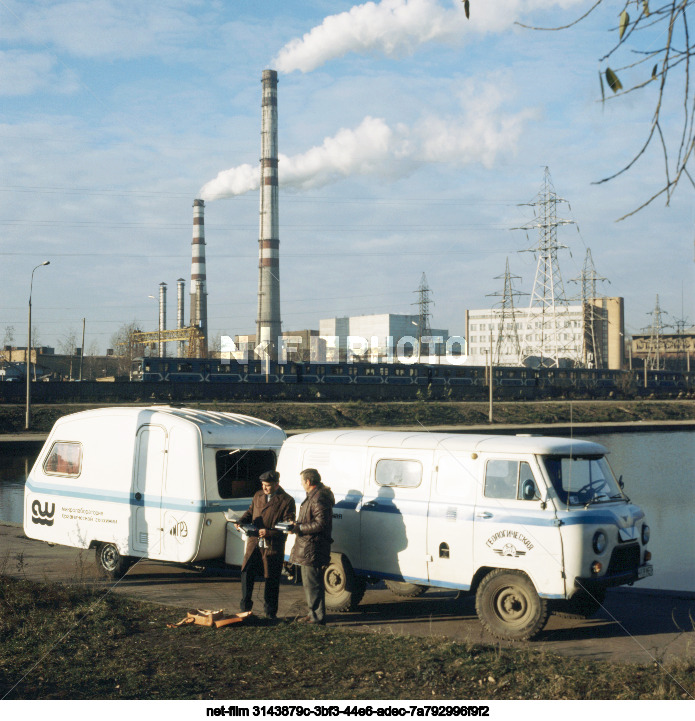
{"x": 580, "y": 480}
{"x": 239, "y": 471}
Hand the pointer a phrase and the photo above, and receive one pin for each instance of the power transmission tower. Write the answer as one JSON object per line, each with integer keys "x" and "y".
{"x": 592, "y": 346}
{"x": 655, "y": 332}
{"x": 423, "y": 303}
{"x": 545, "y": 327}
{"x": 508, "y": 343}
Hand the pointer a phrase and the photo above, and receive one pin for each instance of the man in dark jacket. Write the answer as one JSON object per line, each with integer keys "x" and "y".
{"x": 312, "y": 546}
{"x": 265, "y": 552}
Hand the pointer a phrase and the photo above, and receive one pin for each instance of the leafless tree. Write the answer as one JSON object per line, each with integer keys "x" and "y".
{"x": 652, "y": 47}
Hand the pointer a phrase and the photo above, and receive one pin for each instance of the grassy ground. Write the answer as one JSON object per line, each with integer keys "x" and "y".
{"x": 310, "y": 415}
{"x": 62, "y": 642}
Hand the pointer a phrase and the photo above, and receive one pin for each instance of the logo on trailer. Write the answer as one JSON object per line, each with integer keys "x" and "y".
{"x": 42, "y": 516}
{"x": 180, "y": 530}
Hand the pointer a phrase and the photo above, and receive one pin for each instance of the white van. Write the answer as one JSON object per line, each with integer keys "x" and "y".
{"x": 528, "y": 524}
{"x": 148, "y": 482}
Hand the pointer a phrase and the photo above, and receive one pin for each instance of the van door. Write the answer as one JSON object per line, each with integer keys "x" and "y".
{"x": 150, "y": 460}
{"x": 514, "y": 528}
{"x": 450, "y": 521}
{"x": 393, "y": 512}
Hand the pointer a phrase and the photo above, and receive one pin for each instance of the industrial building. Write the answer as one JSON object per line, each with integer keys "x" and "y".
{"x": 382, "y": 337}
{"x": 590, "y": 335}
{"x": 297, "y": 345}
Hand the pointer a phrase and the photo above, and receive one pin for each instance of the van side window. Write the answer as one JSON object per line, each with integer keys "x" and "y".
{"x": 64, "y": 459}
{"x": 238, "y": 471}
{"x": 404, "y": 474}
{"x": 500, "y": 479}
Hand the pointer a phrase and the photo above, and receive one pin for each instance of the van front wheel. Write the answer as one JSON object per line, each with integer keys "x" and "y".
{"x": 509, "y": 607}
{"x": 344, "y": 590}
{"x": 110, "y": 561}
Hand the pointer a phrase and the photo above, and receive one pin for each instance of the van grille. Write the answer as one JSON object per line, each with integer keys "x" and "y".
{"x": 624, "y": 558}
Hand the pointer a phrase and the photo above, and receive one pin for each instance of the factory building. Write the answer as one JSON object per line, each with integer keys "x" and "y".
{"x": 382, "y": 337}
{"x": 590, "y": 335}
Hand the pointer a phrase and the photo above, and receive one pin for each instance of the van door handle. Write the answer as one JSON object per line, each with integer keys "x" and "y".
{"x": 370, "y": 504}
{"x": 484, "y": 514}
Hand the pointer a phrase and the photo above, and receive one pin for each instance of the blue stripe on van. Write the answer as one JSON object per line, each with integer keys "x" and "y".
{"x": 167, "y": 503}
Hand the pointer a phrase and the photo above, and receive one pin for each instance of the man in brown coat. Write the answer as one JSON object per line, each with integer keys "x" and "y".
{"x": 265, "y": 552}
{"x": 312, "y": 546}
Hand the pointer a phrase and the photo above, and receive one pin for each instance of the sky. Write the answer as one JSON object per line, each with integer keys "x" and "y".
{"x": 412, "y": 140}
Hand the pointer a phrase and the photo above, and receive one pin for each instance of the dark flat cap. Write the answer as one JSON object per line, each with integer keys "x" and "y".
{"x": 270, "y": 477}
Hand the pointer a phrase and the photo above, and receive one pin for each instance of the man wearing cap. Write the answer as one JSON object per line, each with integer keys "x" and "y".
{"x": 265, "y": 552}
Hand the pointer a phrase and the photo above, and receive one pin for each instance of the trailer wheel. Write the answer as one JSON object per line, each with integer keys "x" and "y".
{"x": 405, "y": 589}
{"x": 582, "y": 604}
{"x": 110, "y": 562}
{"x": 344, "y": 590}
{"x": 509, "y": 607}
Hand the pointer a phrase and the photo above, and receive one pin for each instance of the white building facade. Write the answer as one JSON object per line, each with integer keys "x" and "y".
{"x": 383, "y": 337}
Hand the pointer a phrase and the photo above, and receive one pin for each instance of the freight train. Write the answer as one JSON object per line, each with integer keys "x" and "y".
{"x": 587, "y": 380}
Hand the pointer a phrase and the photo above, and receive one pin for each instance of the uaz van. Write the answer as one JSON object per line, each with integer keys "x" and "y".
{"x": 528, "y": 524}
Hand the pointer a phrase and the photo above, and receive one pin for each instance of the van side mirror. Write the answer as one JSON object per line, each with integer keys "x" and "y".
{"x": 528, "y": 490}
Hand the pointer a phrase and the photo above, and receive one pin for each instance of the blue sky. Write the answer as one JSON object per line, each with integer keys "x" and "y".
{"x": 409, "y": 137}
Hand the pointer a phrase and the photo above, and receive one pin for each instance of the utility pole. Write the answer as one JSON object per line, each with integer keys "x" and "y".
{"x": 544, "y": 323}
{"x": 653, "y": 359}
{"x": 508, "y": 343}
{"x": 423, "y": 303}
{"x": 591, "y": 346}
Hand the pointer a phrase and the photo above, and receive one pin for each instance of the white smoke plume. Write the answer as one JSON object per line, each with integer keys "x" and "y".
{"x": 374, "y": 148}
{"x": 398, "y": 27}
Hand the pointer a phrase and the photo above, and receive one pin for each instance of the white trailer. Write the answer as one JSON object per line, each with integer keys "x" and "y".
{"x": 148, "y": 482}
{"x": 528, "y": 524}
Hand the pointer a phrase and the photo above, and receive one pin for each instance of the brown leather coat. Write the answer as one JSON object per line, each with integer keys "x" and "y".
{"x": 265, "y": 515}
{"x": 312, "y": 545}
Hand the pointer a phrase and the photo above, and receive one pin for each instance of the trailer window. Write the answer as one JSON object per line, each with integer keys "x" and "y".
{"x": 64, "y": 459}
{"x": 403, "y": 474}
{"x": 238, "y": 471}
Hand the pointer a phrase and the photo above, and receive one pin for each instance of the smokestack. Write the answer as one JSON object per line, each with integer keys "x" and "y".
{"x": 162, "y": 317}
{"x": 199, "y": 291}
{"x": 268, "y": 322}
{"x": 180, "y": 290}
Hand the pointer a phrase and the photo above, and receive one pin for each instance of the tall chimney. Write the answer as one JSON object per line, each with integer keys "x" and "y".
{"x": 162, "y": 317}
{"x": 199, "y": 291}
{"x": 180, "y": 290}
{"x": 268, "y": 322}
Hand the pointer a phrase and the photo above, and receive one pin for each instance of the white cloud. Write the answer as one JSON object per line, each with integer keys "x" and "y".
{"x": 23, "y": 73}
{"x": 98, "y": 28}
{"x": 397, "y": 27}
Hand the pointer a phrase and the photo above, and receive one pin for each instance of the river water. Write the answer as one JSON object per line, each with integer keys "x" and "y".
{"x": 658, "y": 470}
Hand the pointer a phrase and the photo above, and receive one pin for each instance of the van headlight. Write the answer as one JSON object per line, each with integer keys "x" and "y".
{"x": 646, "y": 534}
{"x": 599, "y": 542}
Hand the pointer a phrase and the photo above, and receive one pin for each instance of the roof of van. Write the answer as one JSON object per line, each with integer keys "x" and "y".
{"x": 215, "y": 426}
{"x": 451, "y": 441}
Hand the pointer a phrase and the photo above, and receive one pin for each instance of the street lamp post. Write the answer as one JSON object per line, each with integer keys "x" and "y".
{"x": 27, "y": 365}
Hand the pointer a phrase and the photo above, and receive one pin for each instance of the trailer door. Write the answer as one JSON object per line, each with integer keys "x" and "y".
{"x": 150, "y": 460}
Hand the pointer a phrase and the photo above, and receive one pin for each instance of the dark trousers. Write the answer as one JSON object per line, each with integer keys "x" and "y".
{"x": 314, "y": 591}
{"x": 271, "y": 592}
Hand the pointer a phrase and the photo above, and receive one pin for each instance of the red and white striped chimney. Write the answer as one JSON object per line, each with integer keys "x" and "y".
{"x": 199, "y": 292}
{"x": 268, "y": 325}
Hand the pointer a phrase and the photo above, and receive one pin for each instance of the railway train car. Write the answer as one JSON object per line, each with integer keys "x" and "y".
{"x": 528, "y": 381}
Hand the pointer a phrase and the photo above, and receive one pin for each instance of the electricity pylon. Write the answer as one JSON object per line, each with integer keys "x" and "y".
{"x": 543, "y": 338}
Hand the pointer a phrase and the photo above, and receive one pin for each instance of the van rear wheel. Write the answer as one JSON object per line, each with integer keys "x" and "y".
{"x": 110, "y": 561}
{"x": 509, "y": 607}
{"x": 405, "y": 589}
{"x": 344, "y": 590}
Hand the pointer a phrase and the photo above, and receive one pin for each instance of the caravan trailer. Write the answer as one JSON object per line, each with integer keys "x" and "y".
{"x": 148, "y": 482}
{"x": 528, "y": 524}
